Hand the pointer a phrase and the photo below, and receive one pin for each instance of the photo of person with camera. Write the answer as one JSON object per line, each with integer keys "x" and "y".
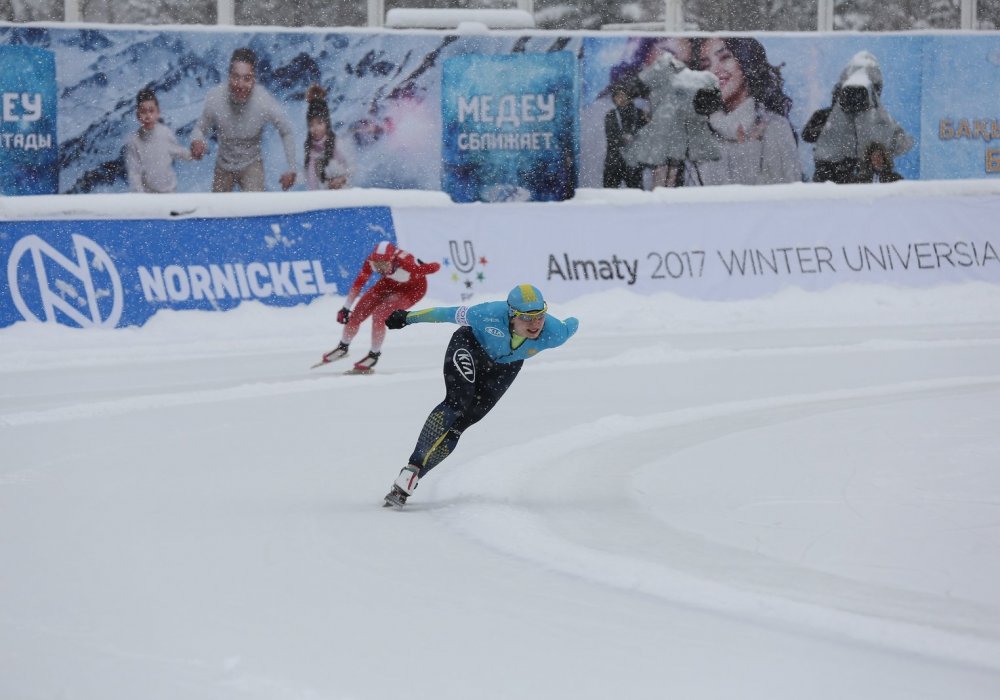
{"x": 855, "y": 139}
{"x": 680, "y": 100}
{"x": 620, "y": 124}
{"x": 751, "y": 128}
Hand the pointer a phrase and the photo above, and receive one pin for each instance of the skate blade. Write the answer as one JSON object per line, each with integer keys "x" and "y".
{"x": 325, "y": 361}
{"x": 391, "y": 502}
{"x": 355, "y": 370}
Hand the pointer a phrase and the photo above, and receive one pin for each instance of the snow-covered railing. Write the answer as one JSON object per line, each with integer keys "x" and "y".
{"x": 673, "y": 14}
{"x": 412, "y": 18}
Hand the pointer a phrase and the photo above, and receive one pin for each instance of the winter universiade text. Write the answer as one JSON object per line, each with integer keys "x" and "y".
{"x": 778, "y": 261}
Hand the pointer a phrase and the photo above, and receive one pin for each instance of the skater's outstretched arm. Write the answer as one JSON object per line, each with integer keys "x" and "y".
{"x": 437, "y": 314}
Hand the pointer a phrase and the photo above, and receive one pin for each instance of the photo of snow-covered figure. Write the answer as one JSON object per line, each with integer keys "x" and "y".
{"x": 844, "y": 134}
{"x": 610, "y": 67}
{"x": 680, "y": 100}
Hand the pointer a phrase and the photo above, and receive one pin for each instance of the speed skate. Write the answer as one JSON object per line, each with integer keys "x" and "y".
{"x": 396, "y": 498}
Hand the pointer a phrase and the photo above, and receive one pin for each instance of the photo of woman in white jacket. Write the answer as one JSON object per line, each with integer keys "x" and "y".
{"x": 756, "y": 139}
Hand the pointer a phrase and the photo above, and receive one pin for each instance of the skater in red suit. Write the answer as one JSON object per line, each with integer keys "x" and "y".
{"x": 403, "y": 284}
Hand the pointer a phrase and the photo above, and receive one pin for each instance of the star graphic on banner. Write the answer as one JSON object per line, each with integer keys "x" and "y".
{"x": 483, "y": 260}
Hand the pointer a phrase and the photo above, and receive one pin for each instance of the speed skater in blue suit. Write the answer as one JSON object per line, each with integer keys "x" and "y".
{"x": 483, "y": 358}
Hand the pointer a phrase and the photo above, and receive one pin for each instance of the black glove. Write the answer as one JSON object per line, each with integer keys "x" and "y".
{"x": 344, "y": 315}
{"x": 814, "y": 127}
{"x": 397, "y": 319}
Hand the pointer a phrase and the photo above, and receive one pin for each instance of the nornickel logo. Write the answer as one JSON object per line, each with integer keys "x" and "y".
{"x": 465, "y": 364}
{"x": 46, "y": 284}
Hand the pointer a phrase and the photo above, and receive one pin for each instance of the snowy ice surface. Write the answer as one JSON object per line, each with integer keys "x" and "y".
{"x": 783, "y": 498}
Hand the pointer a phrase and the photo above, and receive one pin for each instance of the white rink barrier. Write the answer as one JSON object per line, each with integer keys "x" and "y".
{"x": 743, "y": 243}
{"x": 110, "y": 260}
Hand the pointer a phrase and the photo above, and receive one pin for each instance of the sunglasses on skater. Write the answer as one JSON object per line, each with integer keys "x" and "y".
{"x": 530, "y": 315}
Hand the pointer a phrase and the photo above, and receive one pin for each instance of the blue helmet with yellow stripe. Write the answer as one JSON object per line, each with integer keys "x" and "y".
{"x": 526, "y": 300}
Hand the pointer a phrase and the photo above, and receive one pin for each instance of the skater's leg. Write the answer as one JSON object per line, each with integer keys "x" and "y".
{"x": 364, "y": 308}
{"x": 437, "y": 438}
{"x": 402, "y": 298}
{"x": 492, "y": 382}
{"x": 465, "y": 403}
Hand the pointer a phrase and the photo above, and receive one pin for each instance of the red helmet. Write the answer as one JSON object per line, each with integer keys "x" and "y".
{"x": 384, "y": 252}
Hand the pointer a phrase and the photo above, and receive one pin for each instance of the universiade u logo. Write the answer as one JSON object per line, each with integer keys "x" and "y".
{"x": 464, "y": 260}
{"x": 79, "y": 303}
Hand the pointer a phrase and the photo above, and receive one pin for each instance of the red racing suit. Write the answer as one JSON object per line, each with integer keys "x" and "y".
{"x": 403, "y": 287}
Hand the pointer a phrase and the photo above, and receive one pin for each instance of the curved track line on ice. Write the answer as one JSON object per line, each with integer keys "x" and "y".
{"x": 578, "y": 512}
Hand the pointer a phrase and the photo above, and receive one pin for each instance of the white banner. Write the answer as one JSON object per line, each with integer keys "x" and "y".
{"x": 713, "y": 251}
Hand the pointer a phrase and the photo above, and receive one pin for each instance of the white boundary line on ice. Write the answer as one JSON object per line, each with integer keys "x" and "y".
{"x": 522, "y": 532}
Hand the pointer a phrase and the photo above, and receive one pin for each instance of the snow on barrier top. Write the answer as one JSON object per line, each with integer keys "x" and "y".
{"x": 414, "y": 18}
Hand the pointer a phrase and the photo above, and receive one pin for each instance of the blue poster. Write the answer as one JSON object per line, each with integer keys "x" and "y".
{"x": 961, "y": 119}
{"x": 509, "y": 127}
{"x": 29, "y": 150}
{"x": 92, "y": 274}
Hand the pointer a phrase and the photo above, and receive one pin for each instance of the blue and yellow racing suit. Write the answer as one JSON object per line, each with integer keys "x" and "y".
{"x": 483, "y": 358}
